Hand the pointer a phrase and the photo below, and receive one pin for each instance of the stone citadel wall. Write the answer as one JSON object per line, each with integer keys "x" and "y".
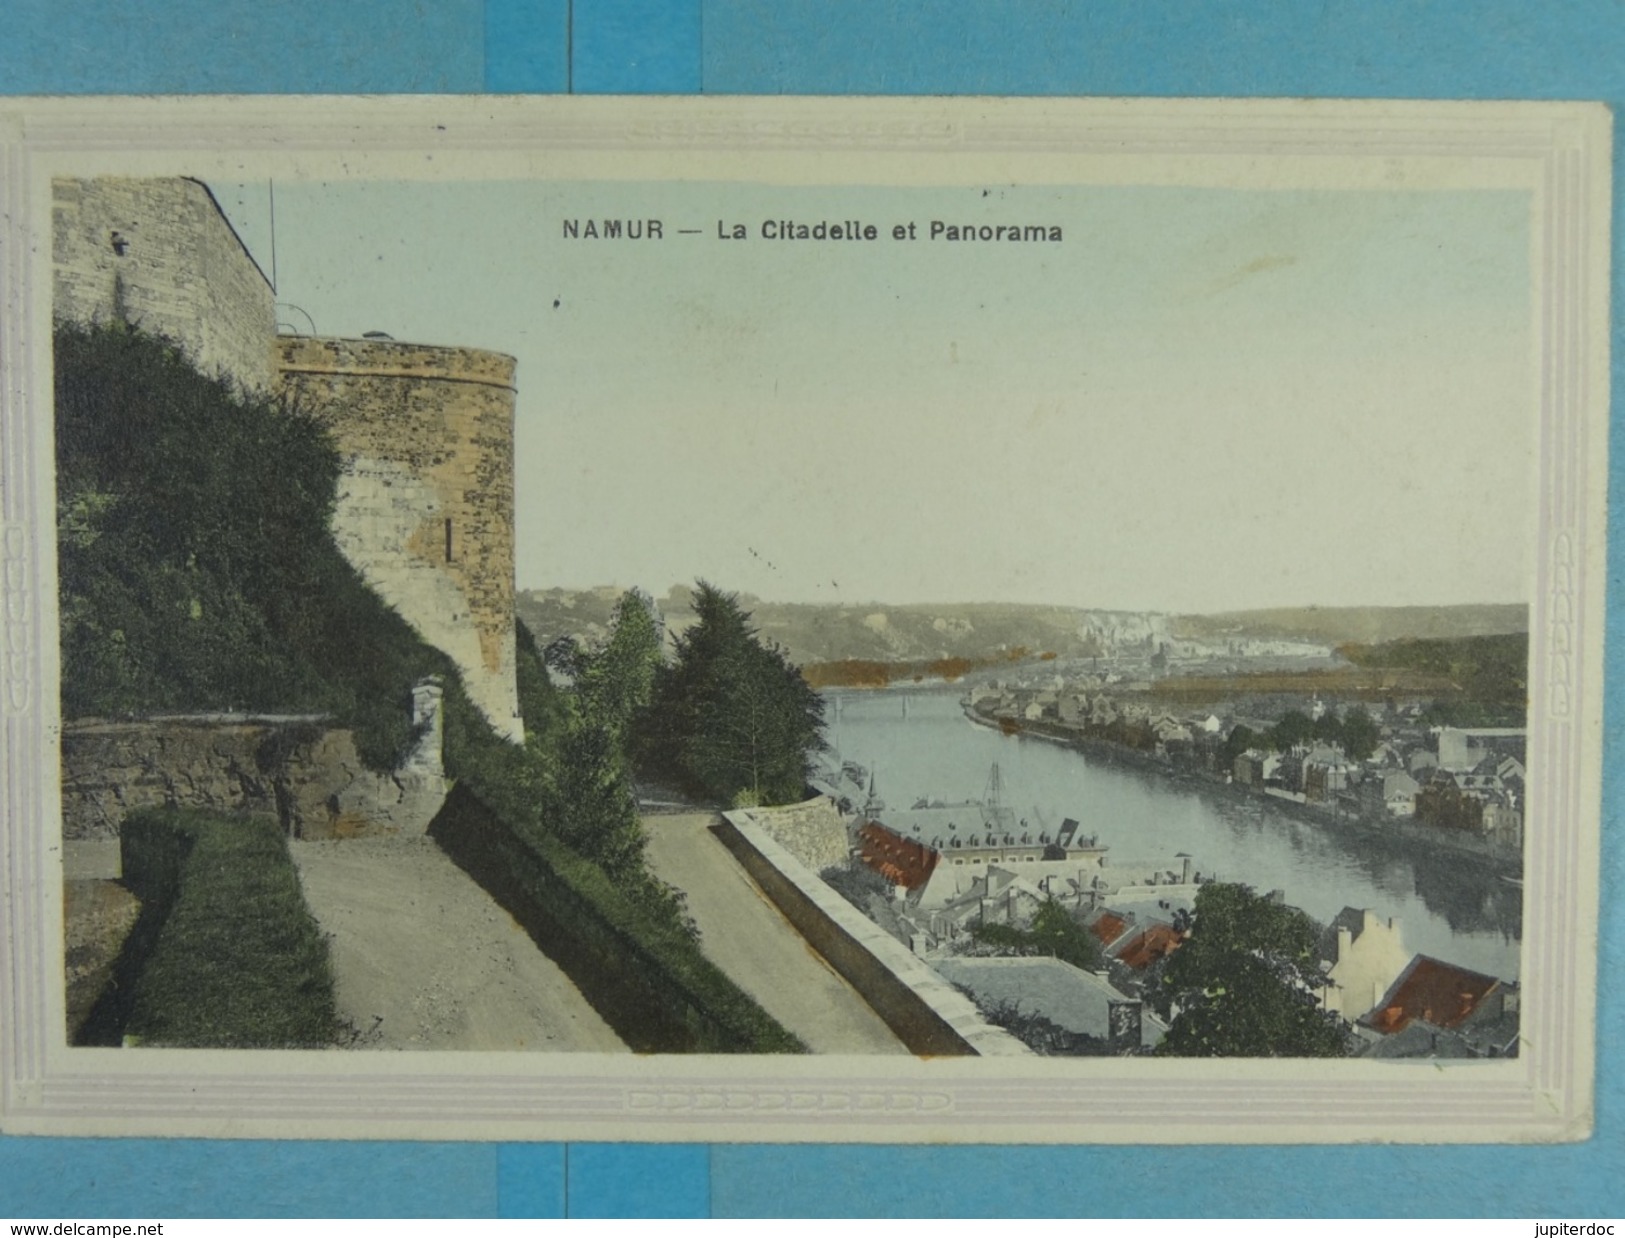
{"x": 425, "y": 506}
{"x": 162, "y": 247}
{"x": 425, "y": 502}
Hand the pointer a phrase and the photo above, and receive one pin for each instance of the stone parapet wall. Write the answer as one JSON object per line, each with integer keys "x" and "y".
{"x": 162, "y": 249}
{"x": 425, "y": 504}
{"x": 301, "y": 772}
{"x": 812, "y": 831}
{"x": 926, "y": 1012}
{"x": 381, "y": 358}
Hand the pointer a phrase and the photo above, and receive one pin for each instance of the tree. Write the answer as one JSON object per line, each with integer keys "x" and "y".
{"x": 588, "y": 796}
{"x": 1328, "y": 728}
{"x": 617, "y": 681}
{"x": 1360, "y": 734}
{"x": 856, "y": 883}
{"x": 1292, "y": 728}
{"x": 541, "y": 705}
{"x": 1053, "y": 932}
{"x": 681, "y": 687}
{"x": 754, "y": 738}
{"x": 1043, "y": 1036}
{"x": 590, "y": 800}
{"x": 730, "y": 718}
{"x": 1245, "y": 983}
{"x": 1241, "y": 739}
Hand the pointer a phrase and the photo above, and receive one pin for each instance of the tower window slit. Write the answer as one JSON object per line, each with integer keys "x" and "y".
{"x": 448, "y": 539}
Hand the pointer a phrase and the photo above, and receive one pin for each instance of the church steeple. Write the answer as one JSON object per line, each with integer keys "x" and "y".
{"x": 874, "y": 805}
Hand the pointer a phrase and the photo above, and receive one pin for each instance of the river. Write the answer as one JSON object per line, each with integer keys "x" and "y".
{"x": 920, "y": 745}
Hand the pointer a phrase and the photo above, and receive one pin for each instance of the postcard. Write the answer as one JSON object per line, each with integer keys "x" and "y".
{"x": 733, "y": 619}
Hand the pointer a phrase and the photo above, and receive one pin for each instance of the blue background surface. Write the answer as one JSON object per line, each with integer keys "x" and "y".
{"x": 1395, "y": 48}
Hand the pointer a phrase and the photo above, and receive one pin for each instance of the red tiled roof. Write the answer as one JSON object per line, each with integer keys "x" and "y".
{"x": 901, "y": 861}
{"x": 1144, "y": 949}
{"x": 1437, "y": 993}
{"x": 1108, "y": 927}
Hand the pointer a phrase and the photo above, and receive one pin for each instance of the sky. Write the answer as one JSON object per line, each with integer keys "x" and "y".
{"x": 1199, "y": 399}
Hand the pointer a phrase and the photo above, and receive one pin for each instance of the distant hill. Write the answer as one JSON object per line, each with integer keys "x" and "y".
{"x": 1365, "y": 625}
{"x": 875, "y": 631}
{"x": 1489, "y": 674}
{"x": 985, "y": 633}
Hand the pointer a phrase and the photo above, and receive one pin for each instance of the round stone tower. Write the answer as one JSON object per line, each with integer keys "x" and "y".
{"x": 425, "y": 503}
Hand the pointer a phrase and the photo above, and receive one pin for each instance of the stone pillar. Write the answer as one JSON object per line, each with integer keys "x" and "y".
{"x": 404, "y": 801}
{"x": 428, "y": 758}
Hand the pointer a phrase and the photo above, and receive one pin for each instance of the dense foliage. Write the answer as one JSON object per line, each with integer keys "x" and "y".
{"x": 1245, "y": 983}
{"x": 565, "y": 789}
{"x": 731, "y": 719}
{"x": 589, "y": 798}
{"x": 195, "y": 566}
{"x": 613, "y": 938}
{"x": 615, "y": 683}
{"x": 584, "y": 859}
{"x": 236, "y": 961}
{"x": 1355, "y": 732}
{"x": 1053, "y": 931}
{"x": 1242, "y": 738}
{"x": 1490, "y": 674}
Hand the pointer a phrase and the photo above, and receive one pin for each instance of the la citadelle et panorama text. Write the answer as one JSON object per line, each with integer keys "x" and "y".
{"x": 825, "y": 230}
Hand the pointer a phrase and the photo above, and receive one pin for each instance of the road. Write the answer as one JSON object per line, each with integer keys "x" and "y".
{"x": 745, "y": 935}
{"x": 423, "y": 958}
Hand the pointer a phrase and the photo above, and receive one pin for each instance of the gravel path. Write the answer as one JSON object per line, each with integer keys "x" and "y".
{"x": 423, "y": 958}
{"x": 748, "y": 938}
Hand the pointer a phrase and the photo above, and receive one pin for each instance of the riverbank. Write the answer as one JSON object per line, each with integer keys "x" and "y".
{"x": 1396, "y": 834}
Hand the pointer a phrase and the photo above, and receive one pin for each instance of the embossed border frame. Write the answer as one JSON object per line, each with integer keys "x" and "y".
{"x": 1558, "y": 151}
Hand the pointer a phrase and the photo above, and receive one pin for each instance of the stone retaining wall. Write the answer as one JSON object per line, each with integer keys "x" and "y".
{"x": 927, "y": 1013}
{"x": 300, "y": 771}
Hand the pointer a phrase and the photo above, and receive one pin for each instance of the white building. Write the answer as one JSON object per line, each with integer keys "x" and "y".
{"x": 1363, "y": 956}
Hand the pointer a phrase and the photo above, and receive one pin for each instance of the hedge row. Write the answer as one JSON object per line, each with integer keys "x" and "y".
{"x": 643, "y": 973}
{"x": 226, "y": 954}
